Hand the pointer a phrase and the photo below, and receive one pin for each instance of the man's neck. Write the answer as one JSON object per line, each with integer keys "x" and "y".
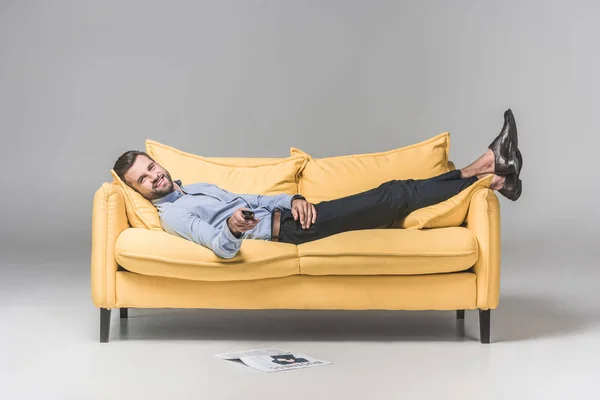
{"x": 177, "y": 187}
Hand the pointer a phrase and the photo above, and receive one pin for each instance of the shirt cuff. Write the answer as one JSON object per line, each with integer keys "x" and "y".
{"x": 229, "y": 235}
{"x": 294, "y": 197}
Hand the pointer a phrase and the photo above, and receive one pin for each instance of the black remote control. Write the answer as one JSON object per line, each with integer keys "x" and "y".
{"x": 248, "y": 214}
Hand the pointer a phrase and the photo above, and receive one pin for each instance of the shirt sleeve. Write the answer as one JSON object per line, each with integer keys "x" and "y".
{"x": 282, "y": 201}
{"x": 188, "y": 225}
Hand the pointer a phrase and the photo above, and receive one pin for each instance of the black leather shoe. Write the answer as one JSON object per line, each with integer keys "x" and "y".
{"x": 519, "y": 160}
{"x": 505, "y": 148}
{"x": 513, "y": 186}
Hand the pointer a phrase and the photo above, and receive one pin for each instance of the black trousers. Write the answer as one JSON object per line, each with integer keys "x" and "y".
{"x": 375, "y": 208}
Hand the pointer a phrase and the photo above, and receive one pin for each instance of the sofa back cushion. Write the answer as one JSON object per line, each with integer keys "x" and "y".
{"x": 141, "y": 213}
{"x": 266, "y": 176}
{"x": 334, "y": 177}
{"x": 451, "y": 212}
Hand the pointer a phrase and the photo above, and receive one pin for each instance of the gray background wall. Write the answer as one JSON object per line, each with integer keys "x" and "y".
{"x": 81, "y": 82}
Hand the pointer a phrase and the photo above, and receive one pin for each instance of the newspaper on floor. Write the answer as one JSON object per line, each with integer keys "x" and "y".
{"x": 273, "y": 360}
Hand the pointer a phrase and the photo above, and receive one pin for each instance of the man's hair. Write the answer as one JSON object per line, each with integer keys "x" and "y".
{"x": 125, "y": 162}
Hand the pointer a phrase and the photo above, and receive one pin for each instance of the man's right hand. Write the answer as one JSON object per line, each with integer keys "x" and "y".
{"x": 237, "y": 224}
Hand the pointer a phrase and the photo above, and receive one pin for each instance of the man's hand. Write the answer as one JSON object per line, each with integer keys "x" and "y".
{"x": 305, "y": 211}
{"x": 237, "y": 224}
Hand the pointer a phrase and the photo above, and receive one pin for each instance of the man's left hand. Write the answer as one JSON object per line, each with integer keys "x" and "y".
{"x": 305, "y": 211}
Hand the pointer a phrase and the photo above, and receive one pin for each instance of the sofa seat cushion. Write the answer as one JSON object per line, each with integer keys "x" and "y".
{"x": 390, "y": 252}
{"x": 157, "y": 253}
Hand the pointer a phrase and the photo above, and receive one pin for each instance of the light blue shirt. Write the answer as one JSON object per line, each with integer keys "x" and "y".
{"x": 200, "y": 215}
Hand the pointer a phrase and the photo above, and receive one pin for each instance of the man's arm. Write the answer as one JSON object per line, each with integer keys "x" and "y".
{"x": 188, "y": 225}
{"x": 282, "y": 201}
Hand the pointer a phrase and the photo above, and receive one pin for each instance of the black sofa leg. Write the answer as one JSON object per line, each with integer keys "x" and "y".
{"x": 124, "y": 313}
{"x": 104, "y": 324}
{"x": 460, "y": 314}
{"x": 484, "y": 325}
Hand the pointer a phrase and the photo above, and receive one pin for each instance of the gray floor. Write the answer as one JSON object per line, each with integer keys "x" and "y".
{"x": 546, "y": 343}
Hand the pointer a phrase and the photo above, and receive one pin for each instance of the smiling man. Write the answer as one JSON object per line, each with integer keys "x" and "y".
{"x": 212, "y": 217}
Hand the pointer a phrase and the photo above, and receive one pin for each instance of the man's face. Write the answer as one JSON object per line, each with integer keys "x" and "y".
{"x": 150, "y": 179}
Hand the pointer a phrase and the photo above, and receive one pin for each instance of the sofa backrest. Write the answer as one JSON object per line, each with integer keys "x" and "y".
{"x": 316, "y": 179}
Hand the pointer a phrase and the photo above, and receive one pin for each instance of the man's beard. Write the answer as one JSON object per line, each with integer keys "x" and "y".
{"x": 165, "y": 190}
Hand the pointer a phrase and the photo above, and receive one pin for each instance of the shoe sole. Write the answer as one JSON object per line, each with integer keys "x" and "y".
{"x": 513, "y": 124}
{"x": 513, "y": 196}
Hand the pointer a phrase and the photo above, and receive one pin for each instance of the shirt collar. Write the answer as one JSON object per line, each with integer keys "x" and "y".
{"x": 169, "y": 198}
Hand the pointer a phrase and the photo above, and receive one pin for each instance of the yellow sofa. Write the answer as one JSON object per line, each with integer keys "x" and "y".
{"x": 447, "y": 257}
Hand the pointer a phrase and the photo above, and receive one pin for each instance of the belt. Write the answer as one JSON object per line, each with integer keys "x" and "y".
{"x": 275, "y": 225}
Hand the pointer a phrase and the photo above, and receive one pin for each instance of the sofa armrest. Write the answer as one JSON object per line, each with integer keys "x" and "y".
{"x": 109, "y": 219}
{"x": 483, "y": 219}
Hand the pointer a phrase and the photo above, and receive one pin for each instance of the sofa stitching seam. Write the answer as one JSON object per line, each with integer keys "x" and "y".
{"x": 104, "y": 245}
{"x": 461, "y": 254}
{"x": 142, "y": 256}
{"x": 487, "y": 241}
{"x": 488, "y": 278}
